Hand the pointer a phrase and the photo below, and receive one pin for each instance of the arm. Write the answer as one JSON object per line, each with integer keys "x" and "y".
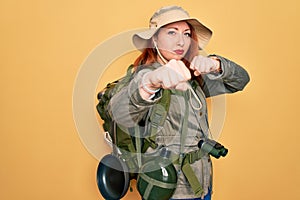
{"x": 232, "y": 78}
{"x": 130, "y": 105}
{"x": 127, "y": 107}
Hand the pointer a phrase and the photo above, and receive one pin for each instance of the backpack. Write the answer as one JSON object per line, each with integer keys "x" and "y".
{"x": 124, "y": 138}
{"x": 107, "y": 93}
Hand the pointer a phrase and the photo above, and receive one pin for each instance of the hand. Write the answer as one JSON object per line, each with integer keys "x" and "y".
{"x": 174, "y": 74}
{"x": 203, "y": 65}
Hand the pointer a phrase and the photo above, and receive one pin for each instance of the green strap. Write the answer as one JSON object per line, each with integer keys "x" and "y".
{"x": 153, "y": 182}
{"x": 138, "y": 145}
{"x": 159, "y": 112}
{"x": 157, "y": 183}
{"x": 189, "y": 172}
{"x": 192, "y": 179}
{"x": 125, "y": 80}
{"x": 189, "y": 158}
{"x": 157, "y": 118}
{"x": 184, "y": 128}
{"x": 123, "y": 139}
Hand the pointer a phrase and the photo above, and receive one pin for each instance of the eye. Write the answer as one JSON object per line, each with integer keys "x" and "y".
{"x": 188, "y": 34}
{"x": 171, "y": 32}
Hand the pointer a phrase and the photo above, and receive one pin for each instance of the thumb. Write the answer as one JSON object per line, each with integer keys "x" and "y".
{"x": 184, "y": 71}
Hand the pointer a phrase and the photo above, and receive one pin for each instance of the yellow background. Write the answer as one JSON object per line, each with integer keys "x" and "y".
{"x": 44, "y": 43}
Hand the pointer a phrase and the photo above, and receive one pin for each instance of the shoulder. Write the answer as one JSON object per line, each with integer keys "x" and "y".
{"x": 148, "y": 67}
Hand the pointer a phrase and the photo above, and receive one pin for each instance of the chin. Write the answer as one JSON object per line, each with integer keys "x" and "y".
{"x": 176, "y": 57}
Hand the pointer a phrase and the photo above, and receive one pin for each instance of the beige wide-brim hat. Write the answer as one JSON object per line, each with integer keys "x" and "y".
{"x": 167, "y": 15}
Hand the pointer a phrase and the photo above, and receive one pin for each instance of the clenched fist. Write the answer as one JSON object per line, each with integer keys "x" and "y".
{"x": 203, "y": 65}
{"x": 174, "y": 74}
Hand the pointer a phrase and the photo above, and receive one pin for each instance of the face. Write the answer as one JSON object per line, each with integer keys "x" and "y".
{"x": 173, "y": 40}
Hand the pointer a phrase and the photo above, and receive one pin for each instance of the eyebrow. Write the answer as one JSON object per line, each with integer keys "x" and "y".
{"x": 188, "y": 29}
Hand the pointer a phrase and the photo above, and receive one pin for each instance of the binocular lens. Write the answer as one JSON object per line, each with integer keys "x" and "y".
{"x": 213, "y": 148}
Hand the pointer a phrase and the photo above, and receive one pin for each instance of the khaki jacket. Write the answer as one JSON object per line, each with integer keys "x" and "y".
{"x": 127, "y": 108}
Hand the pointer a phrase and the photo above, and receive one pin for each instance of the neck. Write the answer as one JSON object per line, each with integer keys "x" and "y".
{"x": 160, "y": 57}
{"x": 159, "y": 60}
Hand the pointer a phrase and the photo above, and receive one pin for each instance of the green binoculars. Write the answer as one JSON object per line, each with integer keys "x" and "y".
{"x": 213, "y": 148}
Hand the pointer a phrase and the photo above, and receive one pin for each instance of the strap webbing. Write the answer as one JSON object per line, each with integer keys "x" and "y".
{"x": 155, "y": 182}
{"x": 138, "y": 145}
{"x": 184, "y": 128}
{"x": 189, "y": 172}
{"x": 157, "y": 118}
{"x": 189, "y": 158}
{"x": 152, "y": 182}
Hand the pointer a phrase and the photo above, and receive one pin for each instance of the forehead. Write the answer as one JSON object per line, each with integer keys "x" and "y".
{"x": 179, "y": 25}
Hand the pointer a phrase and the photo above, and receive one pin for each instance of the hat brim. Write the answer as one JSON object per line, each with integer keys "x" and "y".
{"x": 141, "y": 40}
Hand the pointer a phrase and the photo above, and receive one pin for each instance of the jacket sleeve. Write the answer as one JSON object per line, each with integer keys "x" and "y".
{"x": 127, "y": 107}
{"x": 233, "y": 78}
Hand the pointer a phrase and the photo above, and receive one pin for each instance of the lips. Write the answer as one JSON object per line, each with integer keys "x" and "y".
{"x": 179, "y": 51}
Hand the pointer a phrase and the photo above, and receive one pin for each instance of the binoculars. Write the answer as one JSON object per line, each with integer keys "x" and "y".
{"x": 213, "y": 148}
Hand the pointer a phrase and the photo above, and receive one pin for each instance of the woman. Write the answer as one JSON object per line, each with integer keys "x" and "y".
{"x": 170, "y": 61}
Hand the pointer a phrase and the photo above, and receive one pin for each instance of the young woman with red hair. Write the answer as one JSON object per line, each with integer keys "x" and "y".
{"x": 170, "y": 61}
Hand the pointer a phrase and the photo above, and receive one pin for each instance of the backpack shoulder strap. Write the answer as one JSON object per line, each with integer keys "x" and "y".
{"x": 158, "y": 115}
{"x": 125, "y": 80}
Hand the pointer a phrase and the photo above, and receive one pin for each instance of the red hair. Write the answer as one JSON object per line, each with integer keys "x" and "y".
{"x": 147, "y": 57}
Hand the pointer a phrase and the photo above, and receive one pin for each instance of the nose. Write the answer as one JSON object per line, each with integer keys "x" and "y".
{"x": 180, "y": 40}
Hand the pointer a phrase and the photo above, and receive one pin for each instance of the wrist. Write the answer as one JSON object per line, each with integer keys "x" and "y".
{"x": 217, "y": 64}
